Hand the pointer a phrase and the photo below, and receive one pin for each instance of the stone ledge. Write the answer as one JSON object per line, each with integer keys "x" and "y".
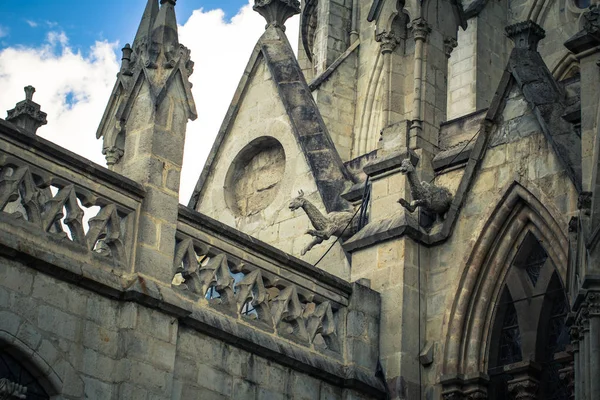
{"x": 389, "y": 162}
{"x": 400, "y": 224}
{"x": 61, "y": 156}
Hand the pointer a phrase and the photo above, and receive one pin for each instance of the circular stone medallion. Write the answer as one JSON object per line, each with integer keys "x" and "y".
{"x": 253, "y": 178}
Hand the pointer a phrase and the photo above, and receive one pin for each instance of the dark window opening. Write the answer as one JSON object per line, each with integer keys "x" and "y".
{"x": 15, "y": 372}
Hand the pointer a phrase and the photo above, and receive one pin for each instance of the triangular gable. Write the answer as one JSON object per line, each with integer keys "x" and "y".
{"x": 527, "y": 70}
{"x": 308, "y": 128}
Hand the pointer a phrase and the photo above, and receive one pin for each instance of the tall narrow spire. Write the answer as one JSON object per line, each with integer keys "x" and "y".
{"x": 157, "y": 62}
{"x": 146, "y": 24}
{"x": 164, "y": 31}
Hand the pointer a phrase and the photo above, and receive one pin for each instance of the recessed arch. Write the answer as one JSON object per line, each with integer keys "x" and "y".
{"x": 33, "y": 361}
{"x": 518, "y": 213}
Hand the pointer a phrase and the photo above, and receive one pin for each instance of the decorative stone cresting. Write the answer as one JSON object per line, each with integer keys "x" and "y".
{"x": 337, "y": 223}
{"x": 254, "y": 295}
{"x": 431, "y": 198}
{"x": 276, "y": 12}
{"x": 27, "y": 114}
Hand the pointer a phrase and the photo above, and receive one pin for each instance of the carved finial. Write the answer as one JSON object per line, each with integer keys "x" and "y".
{"x": 525, "y": 35}
{"x": 126, "y": 59}
{"x": 29, "y": 91}
{"x": 276, "y": 12}
{"x": 27, "y": 114}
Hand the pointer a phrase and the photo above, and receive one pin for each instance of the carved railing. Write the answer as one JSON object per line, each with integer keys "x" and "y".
{"x": 59, "y": 195}
{"x": 276, "y": 294}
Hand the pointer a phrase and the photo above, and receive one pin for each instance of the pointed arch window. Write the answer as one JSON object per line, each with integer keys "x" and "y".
{"x": 18, "y": 382}
{"x": 529, "y": 338}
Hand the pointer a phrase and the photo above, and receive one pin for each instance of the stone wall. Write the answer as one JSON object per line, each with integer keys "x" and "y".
{"x": 90, "y": 346}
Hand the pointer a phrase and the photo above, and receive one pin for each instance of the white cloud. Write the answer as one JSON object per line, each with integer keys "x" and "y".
{"x": 74, "y": 88}
{"x": 3, "y": 31}
{"x": 31, "y": 23}
{"x": 58, "y": 73}
{"x": 221, "y": 50}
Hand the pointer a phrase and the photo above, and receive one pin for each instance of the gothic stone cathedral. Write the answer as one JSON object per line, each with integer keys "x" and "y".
{"x": 407, "y": 209}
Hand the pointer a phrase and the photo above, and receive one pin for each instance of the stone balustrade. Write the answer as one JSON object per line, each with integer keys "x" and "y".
{"x": 50, "y": 196}
{"x": 239, "y": 276}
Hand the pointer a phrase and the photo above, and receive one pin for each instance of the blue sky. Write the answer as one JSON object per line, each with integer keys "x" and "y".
{"x": 27, "y": 22}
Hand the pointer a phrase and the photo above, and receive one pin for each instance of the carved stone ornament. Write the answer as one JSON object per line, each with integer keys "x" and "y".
{"x": 584, "y": 202}
{"x": 27, "y": 113}
{"x": 591, "y": 21}
{"x": 10, "y": 390}
{"x": 276, "y": 12}
{"x": 449, "y": 46}
{"x": 421, "y": 29}
{"x": 431, "y": 198}
{"x": 333, "y": 224}
{"x": 525, "y": 35}
{"x": 523, "y": 389}
{"x": 388, "y": 41}
{"x": 593, "y": 300}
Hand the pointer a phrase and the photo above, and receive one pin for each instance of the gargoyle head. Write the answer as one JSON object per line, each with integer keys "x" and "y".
{"x": 406, "y": 166}
{"x": 297, "y": 201}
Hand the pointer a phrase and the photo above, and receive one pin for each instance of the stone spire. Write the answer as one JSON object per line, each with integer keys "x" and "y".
{"x": 27, "y": 114}
{"x": 276, "y": 12}
{"x": 147, "y": 23}
{"x": 156, "y": 59}
{"x": 164, "y": 32}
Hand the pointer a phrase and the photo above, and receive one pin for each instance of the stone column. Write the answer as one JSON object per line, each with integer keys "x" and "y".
{"x": 593, "y": 301}
{"x": 525, "y": 382}
{"x": 388, "y": 43}
{"x": 420, "y": 31}
{"x": 574, "y": 333}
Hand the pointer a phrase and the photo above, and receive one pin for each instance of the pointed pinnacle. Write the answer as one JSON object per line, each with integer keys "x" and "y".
{"x": 147, "y": 23}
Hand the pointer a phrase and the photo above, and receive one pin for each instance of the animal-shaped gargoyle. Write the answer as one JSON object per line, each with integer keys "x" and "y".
{"x": 333, "y": 224}
{"x": 431, "y": 198}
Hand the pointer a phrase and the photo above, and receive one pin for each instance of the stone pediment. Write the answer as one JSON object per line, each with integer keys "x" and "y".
{"x": 307, "y": 126}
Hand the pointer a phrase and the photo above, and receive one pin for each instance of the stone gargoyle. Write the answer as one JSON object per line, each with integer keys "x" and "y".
{"x": 432, "y": 199}
{"x": 325, "y": 226}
